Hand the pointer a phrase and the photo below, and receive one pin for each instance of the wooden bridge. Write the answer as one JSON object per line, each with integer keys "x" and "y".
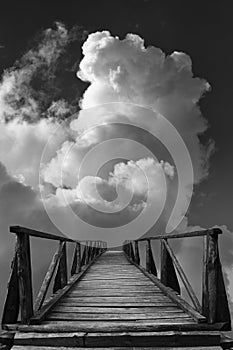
{"x": 110, "y": 301}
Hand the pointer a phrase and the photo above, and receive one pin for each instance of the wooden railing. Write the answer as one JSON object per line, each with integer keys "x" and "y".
{"x": 214, "y": 304}
{"x": 20, "y": 292}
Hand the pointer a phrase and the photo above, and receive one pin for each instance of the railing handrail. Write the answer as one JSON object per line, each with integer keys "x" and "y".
{"x": 200, "y": 233}
{"x": 41, "y": 234}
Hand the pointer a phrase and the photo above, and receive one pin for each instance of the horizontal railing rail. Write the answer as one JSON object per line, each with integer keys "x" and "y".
{"x": 214, "y": 305}
{"x": 19, "y": 297}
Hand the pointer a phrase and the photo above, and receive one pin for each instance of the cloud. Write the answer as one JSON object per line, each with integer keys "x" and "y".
{"x": 29, "y": 87}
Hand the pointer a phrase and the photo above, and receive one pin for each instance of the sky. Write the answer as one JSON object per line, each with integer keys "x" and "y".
{"x": 45, "y": 64}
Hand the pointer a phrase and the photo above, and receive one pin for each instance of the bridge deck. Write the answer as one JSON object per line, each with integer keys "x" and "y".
{"x": 116, "y": 304}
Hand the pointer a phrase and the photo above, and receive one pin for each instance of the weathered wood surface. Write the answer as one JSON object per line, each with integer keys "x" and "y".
{"x": 215, "y": 304}
{"x": 61, "y": 276}
{"x": 183, "y": 277}
{"x": 117, "y": 312}
{"x": 11, "y": 307}
{"x": 168, "y": 272}
{"x": 24, "y": 276}
{"x": 49, "y": 275}
{"x": 201, "y": 233}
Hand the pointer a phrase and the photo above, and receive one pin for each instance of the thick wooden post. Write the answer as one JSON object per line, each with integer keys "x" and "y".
{"x": 76, "y": 260}
{"x": 88, "y": 252}
{"x": 150, "y": 264}
{"x": 24, "y": 277}
{"x": 168, "y": 272}
{"x": 84, "y": 253}
{"x": 61, "y": 276}
{"x": 137, "y": 255}
{"x": 11, "y": 307}
{"x": 131, "y": 251}
{"x": 214, "y": 299}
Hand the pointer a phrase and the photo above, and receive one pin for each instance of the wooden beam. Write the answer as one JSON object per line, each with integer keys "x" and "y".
{"x": 214, "y": 299}
{"x": 137, "y": 254}
{"x": 24, "y": 277}
{"x": 182, "y": 235}
{"x": 76, "y": 264}
{"x": 48, "y": 277}
{"x": 61, "y": 276}
{"x": 183, "y": 277}
{"x": 11, "y": 306}
{"x": 34, "y": 233}
{"x": 168, "y": 272}
{"x": 150, "y": 264}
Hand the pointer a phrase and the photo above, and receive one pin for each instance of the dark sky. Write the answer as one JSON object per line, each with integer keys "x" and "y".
{"x": 204, "y": 30}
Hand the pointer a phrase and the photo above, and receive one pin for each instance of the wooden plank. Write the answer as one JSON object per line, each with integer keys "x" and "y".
{"x": 24, "y": 276}
{"x": 125, "y": 339}
{"x": 40, "y": 315}
{"x": 167, "y": 340}
{"x": 116, "y": 283}
{"x": 112, "y": 326}
{"x": 68, "y": 316}
{"x": 183, "y": 235}
{"x": 114, "y": 293}
{"x": 115, "y": 278}
{"x": 183, "y": 277}
{"x": 173, "y": 296}
{"x": 119, "y": 348}
{"x": 113, "y": 304}
{"x": 112, "y": 299}
{"x": 114, "y": 310}
{"x": 11, "y": 306}
{"x": 48, "y": 277}
{"x": 99, "y": 287}
{"x": 53, "y": 339}
{"x": 24, "y": 230}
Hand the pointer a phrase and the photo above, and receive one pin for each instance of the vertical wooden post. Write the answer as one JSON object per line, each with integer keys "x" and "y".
{"x": 24, "y": 277}
{"x": 61, "y": 276}
{"x": 11, "y": 307}
{"x": 76, "y": 260}
{"x": 131, "y": 251}
{"x": 150, "y": 264}
{"x": 137, "y": 255}
{"x": 88, "y": 252}
{"x": 214, "y": 299}
{"x": 84, "y": 253}
{"x": 168, "y": 272}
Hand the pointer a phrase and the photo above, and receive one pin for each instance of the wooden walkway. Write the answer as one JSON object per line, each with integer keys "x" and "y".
{"x": 114, "y": 303}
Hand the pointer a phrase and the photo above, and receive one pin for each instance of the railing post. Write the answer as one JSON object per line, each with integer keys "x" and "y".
{"x": 137, "y": 255}
{"x": 214, "y": 299}
{"x": 84, "y": 253}
{"x": 61, "y": 276}
{"x": 168, "y": 272}
{"x": 76, "y": 266}
{"x": 131, "y": 251}
{"x": 11, "y": 307}
{"x": 150, "y": 264}
{"x": 24, "y": 277}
